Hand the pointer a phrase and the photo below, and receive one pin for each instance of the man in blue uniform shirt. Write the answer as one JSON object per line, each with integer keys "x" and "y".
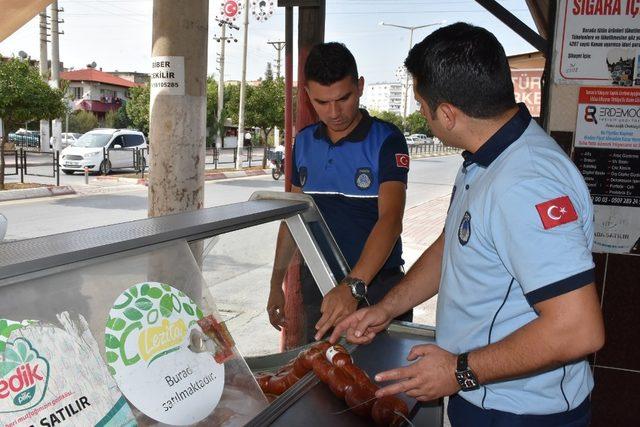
{"x": 355, "y": 167}
{"x": 517, "y": 308}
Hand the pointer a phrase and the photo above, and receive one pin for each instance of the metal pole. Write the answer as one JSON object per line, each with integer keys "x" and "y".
{"x": 411, "y": 29}
{"x": 243, "y": 84}
{"x": 56, "y": 159}
{"x": 223, "y": 41}
{"x": 288, "y": 97}
{"x": 406, "y": 81}
{"x": 22, "y": 165}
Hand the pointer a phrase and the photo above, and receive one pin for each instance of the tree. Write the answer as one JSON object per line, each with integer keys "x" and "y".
{"x": 137, "y": 107}
{"x": 388, "y": 116}
{"x": 121, "y": 120}
{"x": 82, "y": 121}
{"x": 215, "y": 121}
{"x": 110, "y": 119}
{"x": 24, "y": 97}
{"x": 416, "y": 123}
{"x": 265, "y": 106}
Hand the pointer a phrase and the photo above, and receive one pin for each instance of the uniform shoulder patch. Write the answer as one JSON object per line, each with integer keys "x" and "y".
{"x": 556, "y": 212}
{"x": 402, "y": 160}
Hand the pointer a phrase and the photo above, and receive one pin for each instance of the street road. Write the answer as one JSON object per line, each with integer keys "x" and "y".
{"x": 429, "y": 178}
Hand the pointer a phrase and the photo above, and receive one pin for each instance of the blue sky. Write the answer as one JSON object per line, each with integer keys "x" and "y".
{"x": 116, "y": 34}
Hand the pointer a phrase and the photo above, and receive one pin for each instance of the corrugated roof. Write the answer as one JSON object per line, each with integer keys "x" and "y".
{"x": 93, "y": 75}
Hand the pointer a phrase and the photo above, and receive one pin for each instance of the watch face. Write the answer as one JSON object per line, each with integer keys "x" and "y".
{"x": 467, "y": 380}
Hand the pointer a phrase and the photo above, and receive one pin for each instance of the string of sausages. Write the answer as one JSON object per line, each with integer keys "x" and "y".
{"x": 334, "y": 366}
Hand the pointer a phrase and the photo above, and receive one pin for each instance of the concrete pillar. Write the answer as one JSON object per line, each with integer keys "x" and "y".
{"x": 177, "y": 128}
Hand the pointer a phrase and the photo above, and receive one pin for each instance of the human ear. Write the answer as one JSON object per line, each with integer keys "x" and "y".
{"x": 447, "y": 115}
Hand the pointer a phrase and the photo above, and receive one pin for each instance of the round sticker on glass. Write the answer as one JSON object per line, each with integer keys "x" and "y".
{"x": 147, "y": 351}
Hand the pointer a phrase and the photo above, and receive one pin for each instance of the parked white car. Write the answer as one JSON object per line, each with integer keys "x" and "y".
{"x": 418, "y": 138}
{"x": 101, "y": 150}
{"x": 66, "y": 139}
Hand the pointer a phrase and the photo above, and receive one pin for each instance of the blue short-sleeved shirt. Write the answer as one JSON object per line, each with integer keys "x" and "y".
{"x": 519, "y": 231}
{"x": 344, "y": 178}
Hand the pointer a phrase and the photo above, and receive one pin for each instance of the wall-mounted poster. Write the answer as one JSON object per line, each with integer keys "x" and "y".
{"x": 527, "y": 88}
{"x": 607, "y": 152}
{"x": 598, "y": 42}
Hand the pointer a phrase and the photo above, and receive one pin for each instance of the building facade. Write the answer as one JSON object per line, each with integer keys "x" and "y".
{"x": 388, "y": 97}
{"x": 96, "y": 91}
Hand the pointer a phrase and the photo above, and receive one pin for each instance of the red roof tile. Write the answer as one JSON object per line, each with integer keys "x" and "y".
{"x": 92, "y": 75}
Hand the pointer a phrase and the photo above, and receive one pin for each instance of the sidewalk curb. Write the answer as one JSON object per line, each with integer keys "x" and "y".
{"x": 208, "y": 176}
{"x": 32, "y": 193}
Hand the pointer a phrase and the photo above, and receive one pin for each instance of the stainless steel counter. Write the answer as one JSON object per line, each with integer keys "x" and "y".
{"x": 312, "y": 404}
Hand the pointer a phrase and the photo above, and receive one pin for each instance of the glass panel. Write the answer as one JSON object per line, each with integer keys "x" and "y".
{"x": 148, "y": 315}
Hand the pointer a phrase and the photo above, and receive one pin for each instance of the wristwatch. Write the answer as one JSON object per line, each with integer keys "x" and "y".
{"x": 358, "y": 287}
{"x": 464, "y": 375}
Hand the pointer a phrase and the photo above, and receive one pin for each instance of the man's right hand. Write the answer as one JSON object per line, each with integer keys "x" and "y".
{"x": 362, "y": 326}
{"x": 275, "y": 308}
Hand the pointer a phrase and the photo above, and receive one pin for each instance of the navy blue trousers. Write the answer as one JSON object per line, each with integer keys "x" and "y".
{"x": 464, "y": 414}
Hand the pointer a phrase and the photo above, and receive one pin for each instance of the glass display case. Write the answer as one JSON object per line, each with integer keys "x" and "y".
{"x": 162, "y": 321}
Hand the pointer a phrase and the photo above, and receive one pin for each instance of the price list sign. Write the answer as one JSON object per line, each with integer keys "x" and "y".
{"x": 607, "y": 152}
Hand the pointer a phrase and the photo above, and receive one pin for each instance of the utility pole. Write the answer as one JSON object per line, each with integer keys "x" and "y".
{"x": 411, "y": 30}
{"x": 223, "y": 39}
{"x": 44, "y": 72}
{"x": 221, "y": 88}
{"x": 55, "y": 69}
{"x": 243, "y": 84}
{"x": 279, "y": 46}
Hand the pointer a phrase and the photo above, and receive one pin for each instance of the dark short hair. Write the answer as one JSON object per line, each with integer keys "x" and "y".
{"x": 465, "y": 66}
{"x": 328, "y": 63}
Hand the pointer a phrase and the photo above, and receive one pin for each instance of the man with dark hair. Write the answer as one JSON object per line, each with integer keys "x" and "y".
{"x": 517, "y": 311}
{"x": 355, "y": 167}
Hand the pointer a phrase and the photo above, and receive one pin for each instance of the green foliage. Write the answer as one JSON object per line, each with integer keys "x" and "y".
{"x": 215, "y": 122}
{"x": 416, "y": 123}
{"x": 110, "y": 119}
{"x": 82, "y": 121}
{"x": 137, "y": 108}
{"x": 121, "y": 120}
{"x": 25, "y": 97}
{"x": 388, "y": 116}
{"x": 265, "y": 106}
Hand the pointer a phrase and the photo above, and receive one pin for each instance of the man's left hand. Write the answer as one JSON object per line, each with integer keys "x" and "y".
{"x": 336, "y": 305}
{"x": 431, "y": 377}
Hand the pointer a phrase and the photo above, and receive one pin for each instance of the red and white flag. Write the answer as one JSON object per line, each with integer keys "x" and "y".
{"x": 556, "y": 212}
{"x": 402, "y": 161}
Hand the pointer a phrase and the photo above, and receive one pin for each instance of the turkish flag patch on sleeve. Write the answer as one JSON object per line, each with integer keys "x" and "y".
{"x": 402, "y": 161}
{"x": 556, "y": 212}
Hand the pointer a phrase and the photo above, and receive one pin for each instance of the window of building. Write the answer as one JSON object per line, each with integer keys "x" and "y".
{"x": 78, "y": 92}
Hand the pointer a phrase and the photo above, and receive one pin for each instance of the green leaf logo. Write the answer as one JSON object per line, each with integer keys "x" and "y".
{"x": 146, "y": 323}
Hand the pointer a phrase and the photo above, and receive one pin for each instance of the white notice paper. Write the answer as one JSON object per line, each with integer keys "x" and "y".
{"x": 167, "y": 75}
